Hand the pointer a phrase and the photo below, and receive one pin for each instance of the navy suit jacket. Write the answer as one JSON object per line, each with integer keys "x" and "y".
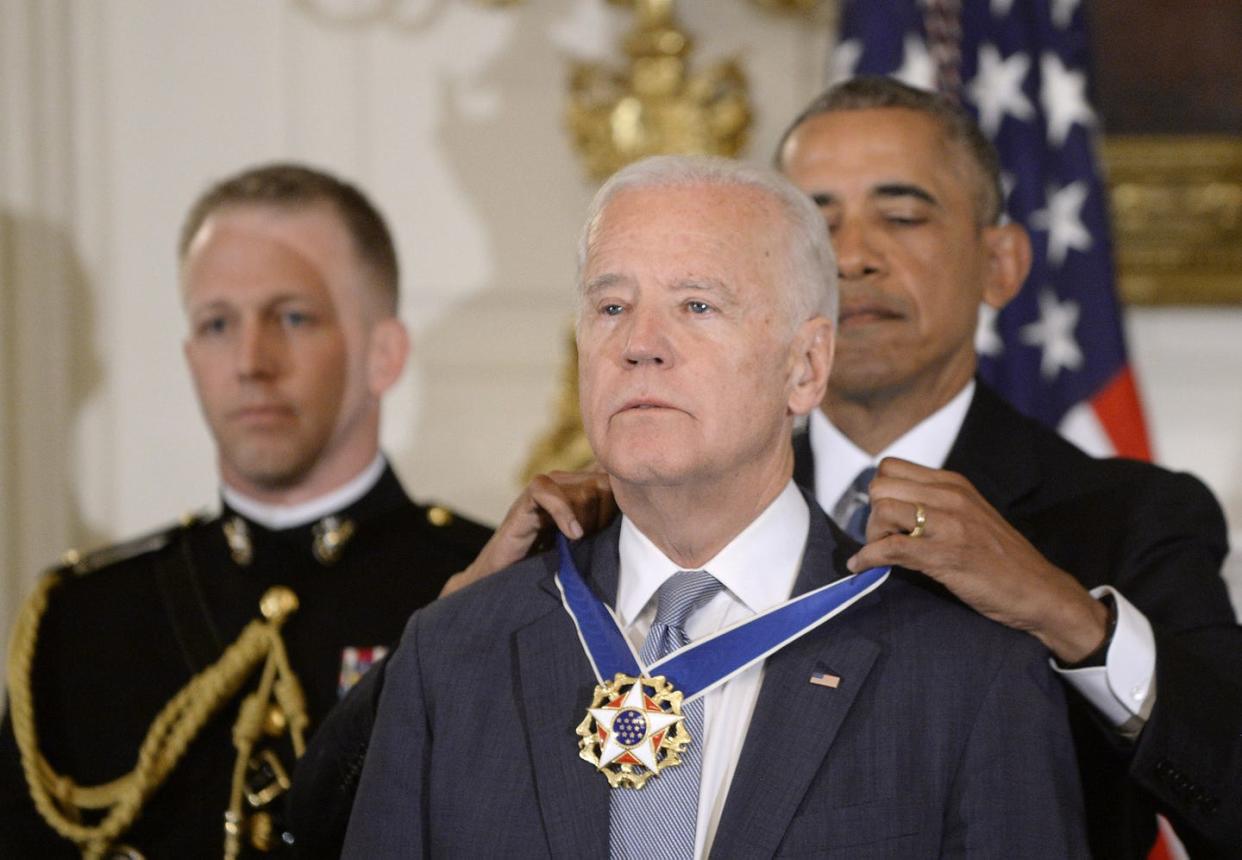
{"x": 946, "y": 737}
{"x": 1158, "y": 538}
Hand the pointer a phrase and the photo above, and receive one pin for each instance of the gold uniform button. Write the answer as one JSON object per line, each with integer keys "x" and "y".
{"x": 439, "y": 516}
{"x": 278, "y": 603}
{"x": 275, "y": 721}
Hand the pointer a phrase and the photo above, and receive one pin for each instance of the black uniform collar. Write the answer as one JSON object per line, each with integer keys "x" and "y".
{"x": 323, "y": 540}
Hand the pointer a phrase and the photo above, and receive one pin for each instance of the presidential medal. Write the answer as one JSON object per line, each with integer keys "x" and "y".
{"x": 633, "y": 729}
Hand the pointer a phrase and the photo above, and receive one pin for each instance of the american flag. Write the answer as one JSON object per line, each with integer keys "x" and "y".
{"x": 1057, "y": 352}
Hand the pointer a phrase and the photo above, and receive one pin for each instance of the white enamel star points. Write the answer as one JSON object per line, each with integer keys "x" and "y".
{"x": 618, "y": 722}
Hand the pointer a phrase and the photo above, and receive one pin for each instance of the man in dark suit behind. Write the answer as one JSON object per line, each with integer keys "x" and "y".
{"x": 908, "y": 726}
{"x": 1018, "y": 523}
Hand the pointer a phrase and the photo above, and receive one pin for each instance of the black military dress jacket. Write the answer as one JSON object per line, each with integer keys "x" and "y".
{"x": 127, "y": 628}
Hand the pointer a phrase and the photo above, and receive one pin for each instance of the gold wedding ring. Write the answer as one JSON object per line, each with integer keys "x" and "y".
{"x": 920, "y": 520}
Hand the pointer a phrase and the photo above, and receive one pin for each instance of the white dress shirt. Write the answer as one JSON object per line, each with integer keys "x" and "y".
{"x": 1124, "y": 688}
{"x": 278, "y": 517}
{"x": 757, "y": 569}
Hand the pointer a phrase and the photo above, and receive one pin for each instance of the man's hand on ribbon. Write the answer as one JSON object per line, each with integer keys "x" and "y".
{"x": 576, "y": 503}
{"x": 970, "y": 549}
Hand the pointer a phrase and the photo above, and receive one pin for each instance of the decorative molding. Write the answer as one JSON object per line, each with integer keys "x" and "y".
{"x": 1177, "y": 218}
{"x": 655, "y": 105}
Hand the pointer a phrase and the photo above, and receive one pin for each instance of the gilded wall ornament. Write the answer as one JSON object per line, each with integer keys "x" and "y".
{"x": 655, "y": 105}
{"x": 1177, "y": 217}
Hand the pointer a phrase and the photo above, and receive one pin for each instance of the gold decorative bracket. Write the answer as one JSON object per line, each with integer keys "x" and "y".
{"x": 655, "y": 105}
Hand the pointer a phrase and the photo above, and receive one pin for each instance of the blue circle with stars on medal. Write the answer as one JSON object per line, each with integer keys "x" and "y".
{"x": 630, "y": 728}
{"x": 633, "y": 729}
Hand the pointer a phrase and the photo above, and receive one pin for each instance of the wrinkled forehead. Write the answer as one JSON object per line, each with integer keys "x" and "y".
{"x": 726, "y": 245}
{"x": 703, "y": 220}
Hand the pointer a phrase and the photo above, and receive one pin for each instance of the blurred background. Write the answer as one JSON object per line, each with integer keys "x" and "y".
{"x": 455, "y": 116}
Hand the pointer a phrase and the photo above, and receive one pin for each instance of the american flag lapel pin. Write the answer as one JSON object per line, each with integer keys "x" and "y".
{"x": 826, "y": 679}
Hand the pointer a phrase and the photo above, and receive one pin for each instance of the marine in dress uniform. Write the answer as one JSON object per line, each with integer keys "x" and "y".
{"x": 126, "y": 629}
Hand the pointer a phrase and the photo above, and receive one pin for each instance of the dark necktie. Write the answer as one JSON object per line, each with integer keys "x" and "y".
{"x": 854, "y": 507}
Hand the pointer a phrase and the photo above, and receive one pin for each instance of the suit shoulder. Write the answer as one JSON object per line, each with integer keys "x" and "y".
{"x": 507, "y": 599}
{"x": 1143, "y": 483}
{"x": 1063, "y": 460}
{"x": 924, "y": 610}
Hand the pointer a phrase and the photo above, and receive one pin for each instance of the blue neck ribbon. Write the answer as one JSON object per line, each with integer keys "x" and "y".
{"x": 703, "y": 665}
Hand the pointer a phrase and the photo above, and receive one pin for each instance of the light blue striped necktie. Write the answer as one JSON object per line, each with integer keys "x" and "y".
{"x": 660, "y": 819}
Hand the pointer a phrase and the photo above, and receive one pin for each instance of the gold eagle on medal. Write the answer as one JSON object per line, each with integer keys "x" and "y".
{"x": 633, "y": 729}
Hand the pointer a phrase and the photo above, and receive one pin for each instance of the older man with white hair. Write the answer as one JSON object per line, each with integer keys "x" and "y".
{"x": 734, "y": 691}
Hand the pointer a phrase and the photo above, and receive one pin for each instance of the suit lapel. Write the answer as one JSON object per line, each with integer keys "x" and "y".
{"x": 555, "y": 686}
{"x": 992, "y": 448}
{"x": 795, "y": 722}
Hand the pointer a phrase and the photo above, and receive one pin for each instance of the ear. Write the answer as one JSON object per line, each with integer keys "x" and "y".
{"x": 1009, "y": 262}
{"x": 388, "y": 351}
{"x": 812, "y": 361}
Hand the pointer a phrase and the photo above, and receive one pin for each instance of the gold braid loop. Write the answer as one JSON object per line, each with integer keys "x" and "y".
{"x": 60, "y": 801}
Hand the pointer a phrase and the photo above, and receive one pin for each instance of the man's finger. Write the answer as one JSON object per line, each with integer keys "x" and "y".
{"x": 895, "y": 467}
{"x": 896, "y": 550}
{"x": 553, "y": 501}
{"x": 890, "y": 516}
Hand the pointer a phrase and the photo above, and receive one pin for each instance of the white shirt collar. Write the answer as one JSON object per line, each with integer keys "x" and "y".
{"x": 758, "y": 566}
{"x": 277, "y": 517}
{"x": 838, "y": 460}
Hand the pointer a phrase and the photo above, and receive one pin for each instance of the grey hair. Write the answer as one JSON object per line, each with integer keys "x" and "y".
{"x": 810, "y": 259}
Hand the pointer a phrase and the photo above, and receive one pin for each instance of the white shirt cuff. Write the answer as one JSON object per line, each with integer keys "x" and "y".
{"x": 1124, "y": 688}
